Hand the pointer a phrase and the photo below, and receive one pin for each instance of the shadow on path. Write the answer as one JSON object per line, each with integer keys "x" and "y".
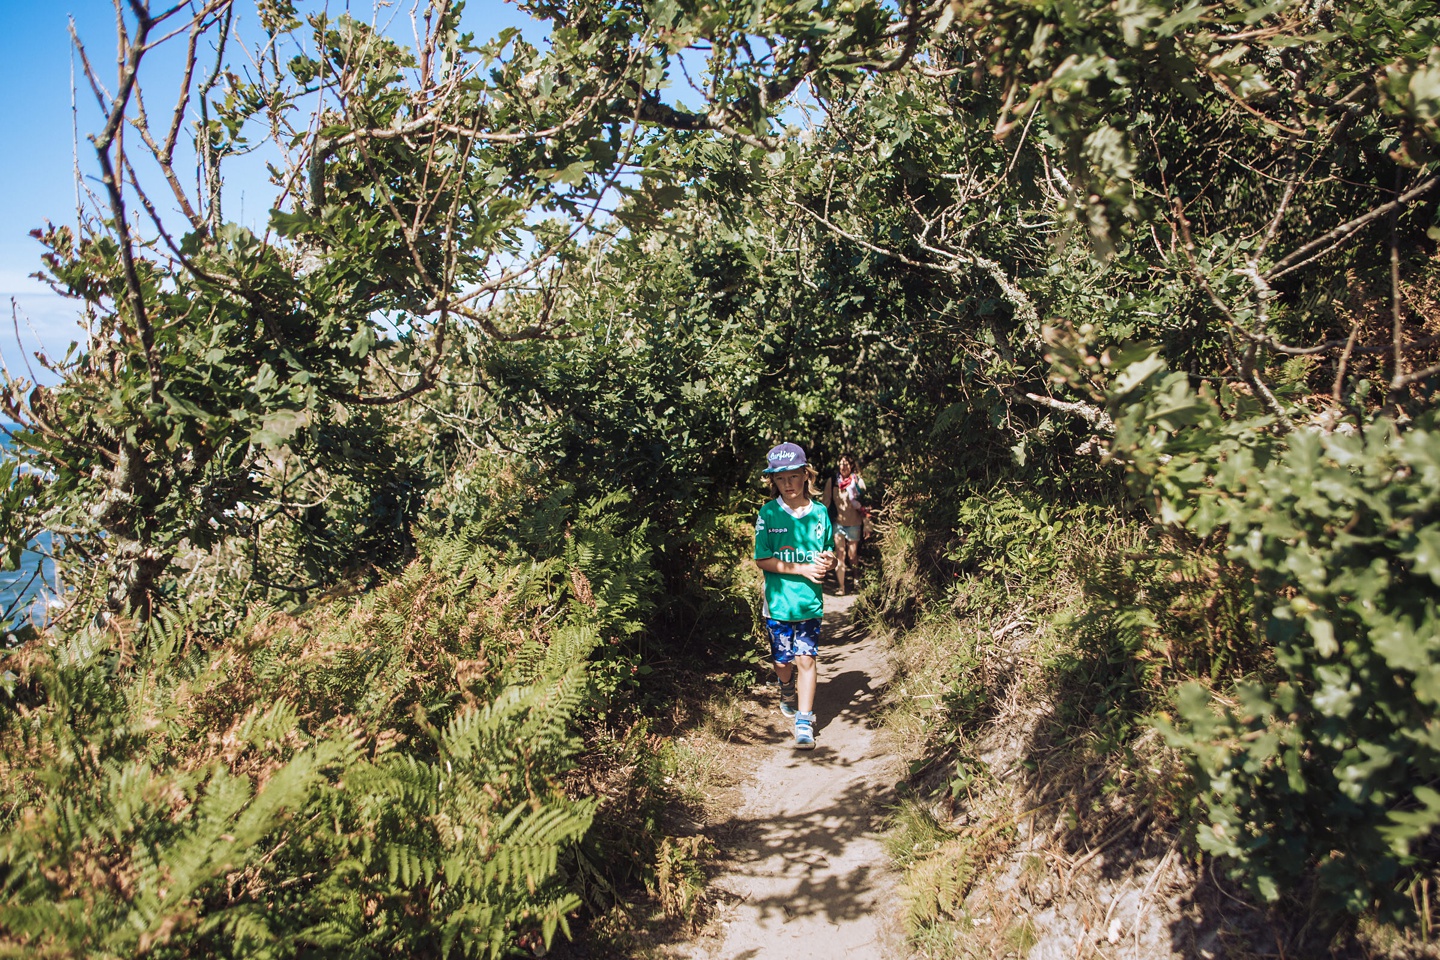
{"x": 797, "y": 853}
{"x": 805, "y": 873}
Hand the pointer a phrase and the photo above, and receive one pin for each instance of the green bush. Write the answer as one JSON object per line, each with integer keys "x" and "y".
{"x": 1015, "y": 537}
{"x": 376, "y": 778}
{"x": 1328, "y": 763}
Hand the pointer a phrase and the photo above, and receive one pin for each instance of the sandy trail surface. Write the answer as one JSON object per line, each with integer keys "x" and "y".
{"x": 805, "y": 875}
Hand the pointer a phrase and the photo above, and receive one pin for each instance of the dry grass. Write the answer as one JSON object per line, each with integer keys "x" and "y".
{"x": 1022, "y": 828}
{"x": 701, "y": 767}
{"x": 699, "y": 761}
{"x": 680, "y": 882}
{"x": 1040, "y": 814}
{"x": 695, "y": 767}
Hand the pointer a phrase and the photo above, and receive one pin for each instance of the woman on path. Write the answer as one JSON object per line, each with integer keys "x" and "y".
{"x": 846, "y": 493}
{"x": 792, "y": 546}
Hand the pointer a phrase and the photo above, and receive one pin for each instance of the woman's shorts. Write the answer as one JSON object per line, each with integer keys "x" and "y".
{"x": 850, "y": 533}
{"x": 793, "y": 638}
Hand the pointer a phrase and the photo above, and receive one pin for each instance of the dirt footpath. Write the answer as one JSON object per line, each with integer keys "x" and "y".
{"x": 804, "y": 874}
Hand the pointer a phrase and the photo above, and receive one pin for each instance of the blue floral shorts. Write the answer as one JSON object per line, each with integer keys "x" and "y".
{"x": 793, "y": 638}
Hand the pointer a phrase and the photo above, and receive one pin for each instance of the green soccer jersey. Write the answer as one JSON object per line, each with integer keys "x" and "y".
{"x": 794, "y": 538}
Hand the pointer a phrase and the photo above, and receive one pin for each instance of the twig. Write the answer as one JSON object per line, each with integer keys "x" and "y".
{"x": 15, "y": 319}
{"x": 164, "y": 153}
{"x": 1263, "y": 292}
{"x": 1136, "y": 824}
{"x": 1418, "y": 375}
{"x": 1228, "y": 895}
{"x": 873, "y": 248}
{"x": 130, "y": 67}
{"x": 1397, "y": 378}
{"x": 1322, "y": 244}
{"x": 1024, "y": 132}
{"x": 1240, "y": 102}
{"x": 208, "y": 166}
{"x": 1143, "y": 902}
{"x": 1337, "y": 391}
{"x": 1274, "y": 224}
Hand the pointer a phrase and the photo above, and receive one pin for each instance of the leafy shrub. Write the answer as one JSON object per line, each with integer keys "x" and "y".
{"x": 376, "y": 778}
{"x": 942, "y": 865}
{"x": 1015, "y": 537}
{"x": 1152, "y": 607}
{"x": 1331, "y": 765}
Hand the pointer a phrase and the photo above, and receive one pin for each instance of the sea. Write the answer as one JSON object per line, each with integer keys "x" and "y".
{"x": 26, "y": 594}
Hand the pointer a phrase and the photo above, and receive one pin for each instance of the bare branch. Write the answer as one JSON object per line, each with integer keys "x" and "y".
{"x": 130, "y": 66}
{"x": 209, "y": 166}
{"x": 861, "y": 241}
{"x": 1415, "y": 376}
{"x": 164, "y": 154}
{"x": 1274, "y": 224}
{"x": 1323, "y": 243}
{"x": 1240, "y": 102}
{"x": 1337, "y": 390}
{"x": 1266, "y": 394}
{"x": 1090, "y": 413}
{"x": 1397, "y": 378}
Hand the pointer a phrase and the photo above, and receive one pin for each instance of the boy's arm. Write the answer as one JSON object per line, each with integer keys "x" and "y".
{"x": 814, "y": 572}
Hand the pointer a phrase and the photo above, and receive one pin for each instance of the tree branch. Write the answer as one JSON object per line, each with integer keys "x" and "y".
{"x": 164, "y": 153}
{"x": 129, "y": 70}
{"x": 1323, "y": 243}
{"x": 1091, "y": 414}
{"x": 1397, "y": 377}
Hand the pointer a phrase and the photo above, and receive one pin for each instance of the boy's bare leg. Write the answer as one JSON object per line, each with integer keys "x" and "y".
{"x": 805, "y": 688}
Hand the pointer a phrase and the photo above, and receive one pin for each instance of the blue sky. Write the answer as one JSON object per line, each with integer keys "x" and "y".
{"x": 37, "y": 163}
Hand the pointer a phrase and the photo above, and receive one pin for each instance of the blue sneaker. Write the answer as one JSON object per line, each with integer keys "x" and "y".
{"x": 789, "y": 703}
{"x": 805, "y": 731}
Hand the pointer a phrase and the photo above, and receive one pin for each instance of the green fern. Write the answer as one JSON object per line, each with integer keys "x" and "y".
{"x": 377, "y": 776}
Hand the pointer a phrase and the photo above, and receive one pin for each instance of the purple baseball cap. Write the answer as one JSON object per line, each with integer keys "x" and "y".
{"x": 785, "y": 456}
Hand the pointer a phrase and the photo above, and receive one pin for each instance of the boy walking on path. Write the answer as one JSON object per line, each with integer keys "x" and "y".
{"x": 793, "y": 535}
